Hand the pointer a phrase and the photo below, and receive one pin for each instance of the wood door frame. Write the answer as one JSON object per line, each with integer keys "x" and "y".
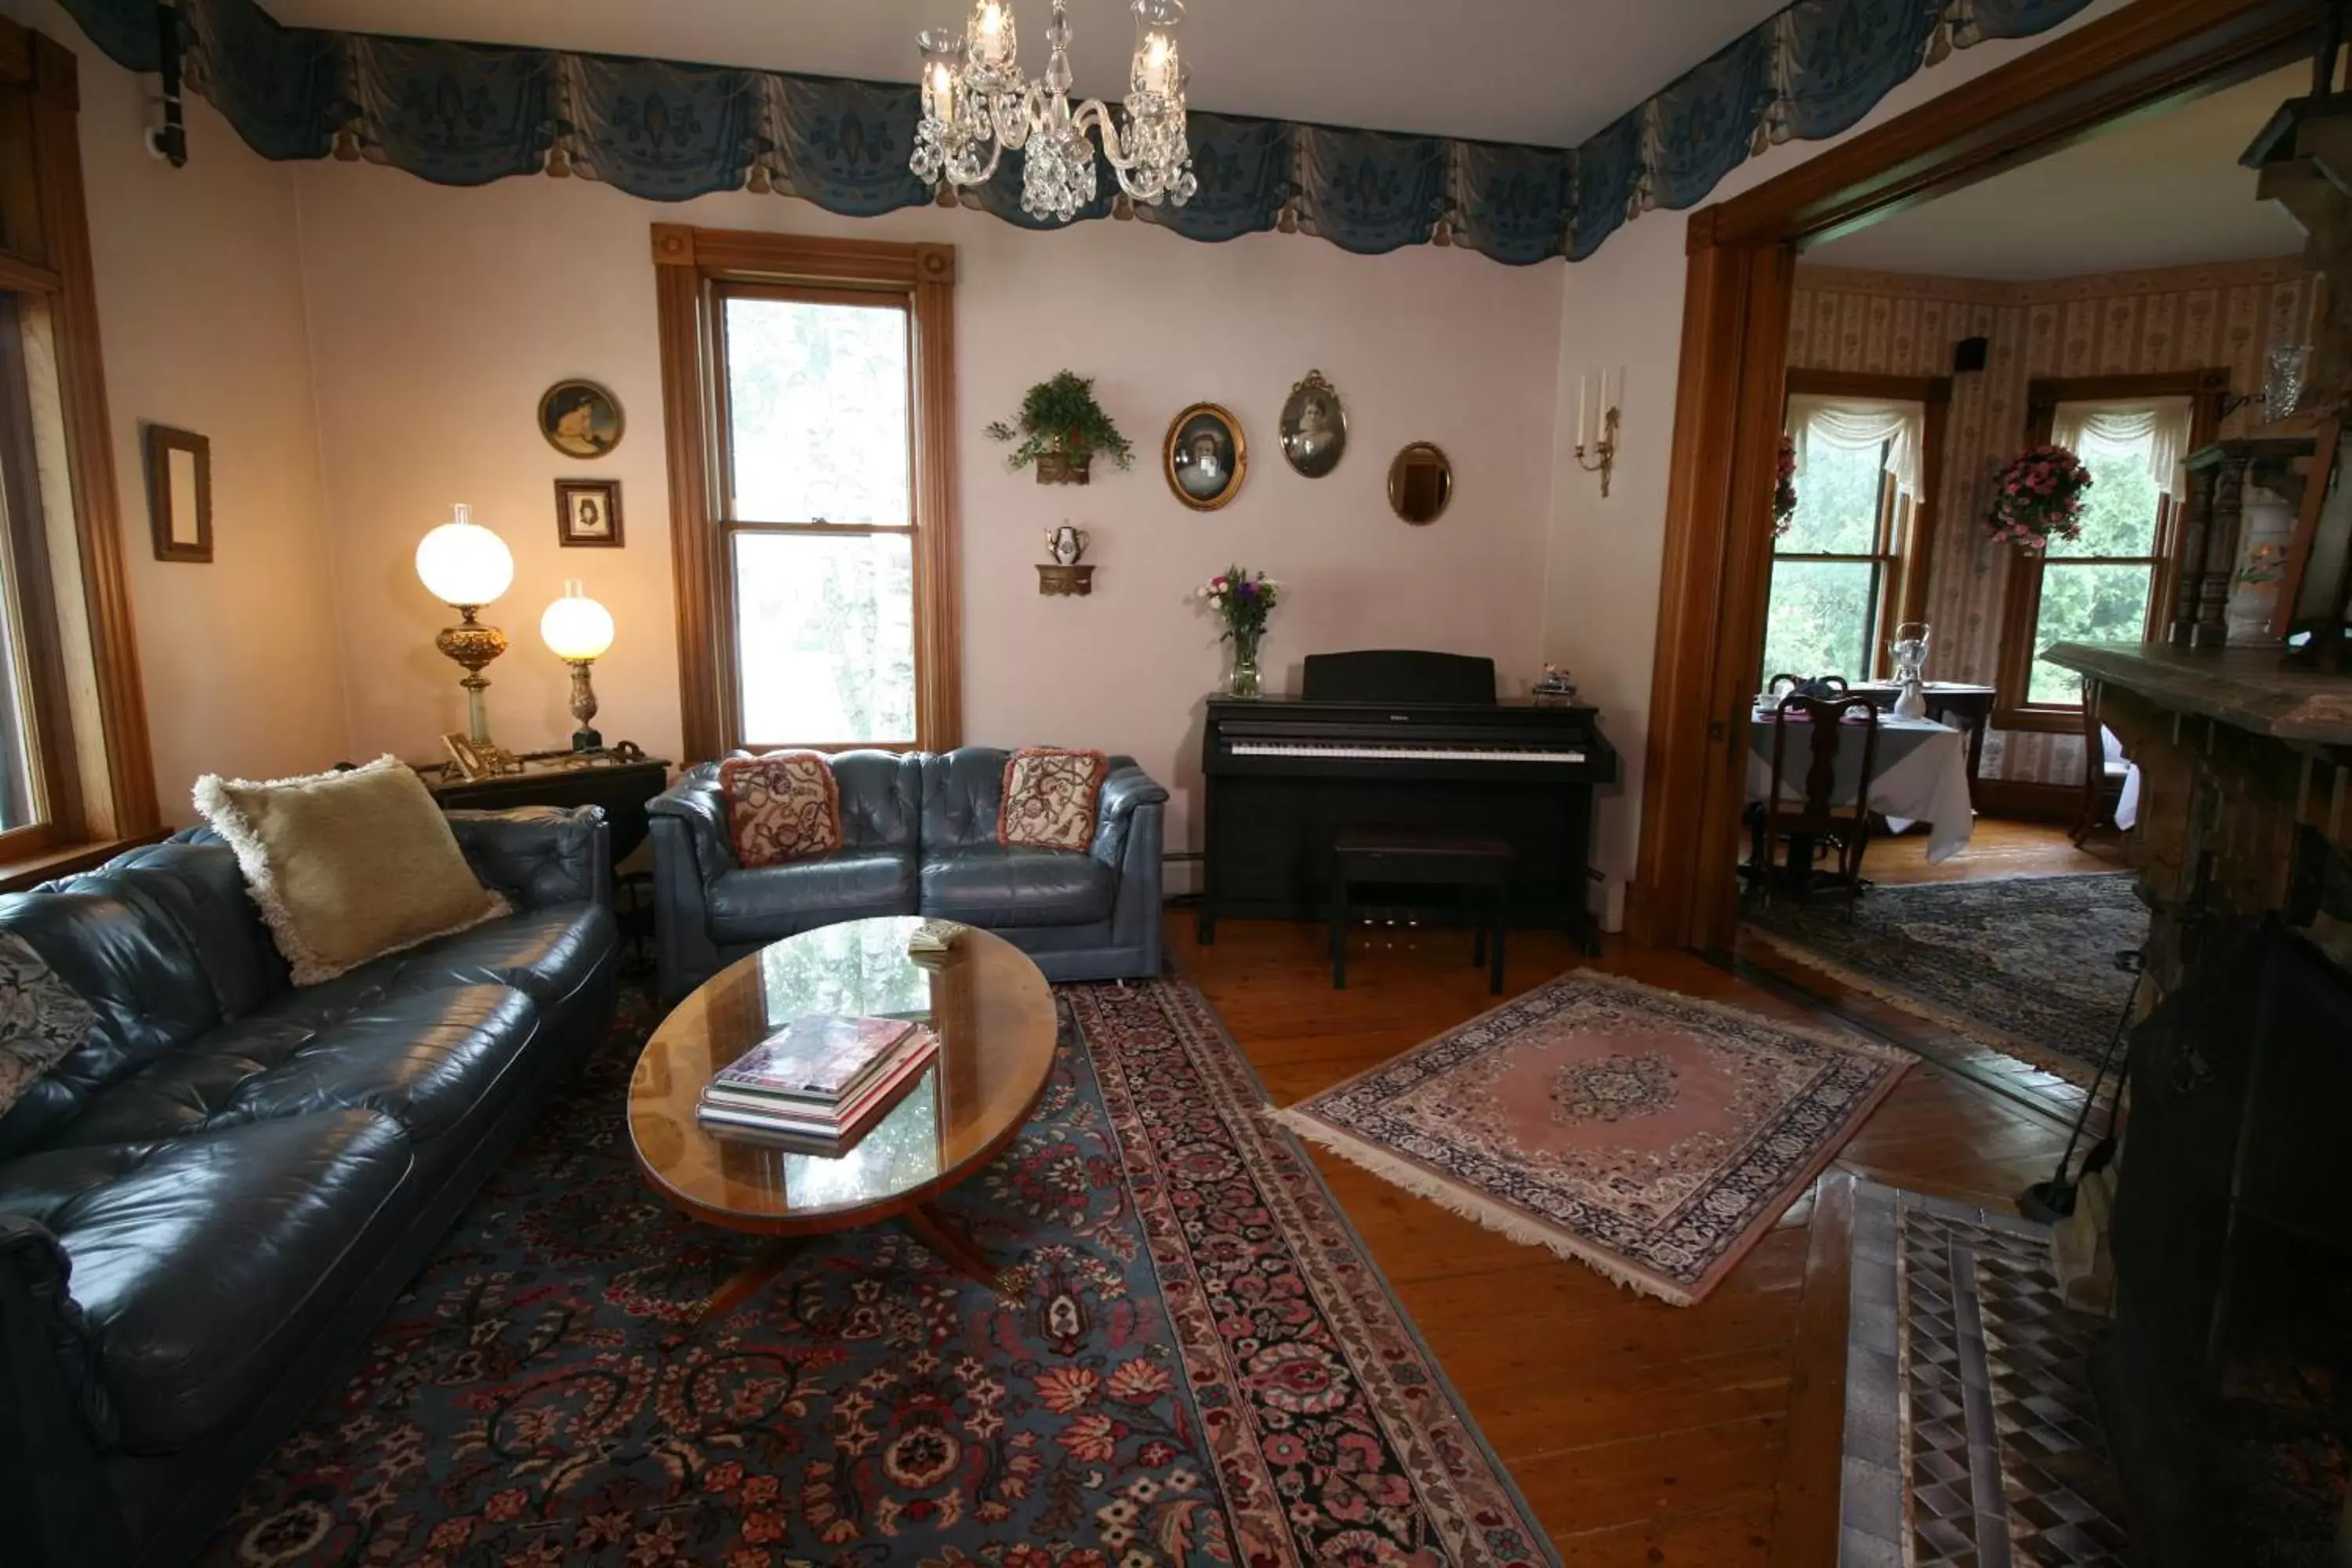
{"x": 2208, "y": 391}
{"x": 2149, "y": 55}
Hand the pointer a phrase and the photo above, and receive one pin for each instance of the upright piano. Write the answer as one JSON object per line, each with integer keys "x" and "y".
{"x": 1392, "y": 738}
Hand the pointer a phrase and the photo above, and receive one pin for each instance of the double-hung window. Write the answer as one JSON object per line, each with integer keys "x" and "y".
{"x": 809, "y": 389}
{"x": 2103, "y": 586}
{"x": 1839, "y": 577}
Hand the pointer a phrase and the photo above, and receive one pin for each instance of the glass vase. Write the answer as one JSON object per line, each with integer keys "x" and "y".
{"x": 1243, "y": 679}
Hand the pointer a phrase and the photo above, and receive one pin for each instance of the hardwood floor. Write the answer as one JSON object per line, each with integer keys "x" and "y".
{"x": 1640, "y": 1433}
{"x": 1999, "y": 848}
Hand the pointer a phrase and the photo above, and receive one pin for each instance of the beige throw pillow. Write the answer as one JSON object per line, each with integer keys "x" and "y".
{"x": 347, "y": 865}
{"x": 1050, "y": 797}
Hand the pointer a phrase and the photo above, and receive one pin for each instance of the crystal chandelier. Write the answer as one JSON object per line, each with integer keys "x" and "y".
{"x": 976, "y": 103}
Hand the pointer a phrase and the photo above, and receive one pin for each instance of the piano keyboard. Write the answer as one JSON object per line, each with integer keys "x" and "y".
{"x": 1404, "y": 754}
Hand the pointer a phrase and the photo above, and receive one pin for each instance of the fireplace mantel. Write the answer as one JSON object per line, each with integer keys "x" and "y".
{"x": 2248, "y": 688}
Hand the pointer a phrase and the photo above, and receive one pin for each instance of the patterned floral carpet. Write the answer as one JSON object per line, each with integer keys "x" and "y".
{"x": 2025, "y": 964}
{"x": 1651, "y": 1136}
{"x": 1199, "y": 1364}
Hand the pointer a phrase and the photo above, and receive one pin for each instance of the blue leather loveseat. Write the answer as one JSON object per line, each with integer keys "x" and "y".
{"x": 918, "y": 836}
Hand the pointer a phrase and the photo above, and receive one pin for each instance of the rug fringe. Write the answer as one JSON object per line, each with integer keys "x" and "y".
{"x": 2075, "y": 1072}
{"x": 1451, "y": 1197}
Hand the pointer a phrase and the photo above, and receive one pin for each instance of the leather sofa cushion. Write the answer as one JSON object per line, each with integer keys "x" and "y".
{"x": 203, "y": 1262}
{"x": 543, "y": 954}
{"x": 774, "y": 901}
{"x": 962, "y": 790}
{"x": 426, "y": 1058}
{"x": 1003, "y": 886}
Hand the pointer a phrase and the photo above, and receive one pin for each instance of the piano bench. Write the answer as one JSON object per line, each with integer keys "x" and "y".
{"x": 1426, "y": 855}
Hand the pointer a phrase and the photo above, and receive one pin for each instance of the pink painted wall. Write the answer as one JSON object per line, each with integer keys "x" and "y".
{"x": 437, "y": 316}
{"x": 200, "y": 302}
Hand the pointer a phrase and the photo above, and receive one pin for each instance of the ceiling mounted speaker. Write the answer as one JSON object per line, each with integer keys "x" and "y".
{"x": 1969, "y": 353}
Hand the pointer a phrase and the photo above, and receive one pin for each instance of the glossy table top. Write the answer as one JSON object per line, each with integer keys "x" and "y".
{"x": 989, "y": 1006}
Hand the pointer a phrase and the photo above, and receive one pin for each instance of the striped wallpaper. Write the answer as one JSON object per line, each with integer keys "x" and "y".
{"x": 2178, "y": 318}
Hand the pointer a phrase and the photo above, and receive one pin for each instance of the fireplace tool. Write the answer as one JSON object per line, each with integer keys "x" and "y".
{"x": 2052, "y": 1200}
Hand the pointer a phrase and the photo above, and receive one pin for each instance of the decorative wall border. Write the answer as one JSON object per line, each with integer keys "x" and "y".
{"x": 459, "y": 113}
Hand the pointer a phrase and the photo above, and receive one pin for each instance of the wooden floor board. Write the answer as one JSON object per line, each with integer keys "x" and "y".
{"x": 1640, "y": 1433}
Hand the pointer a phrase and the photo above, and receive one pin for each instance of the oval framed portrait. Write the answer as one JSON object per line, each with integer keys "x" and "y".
{"x": 1205, "y": 456}
{"x": 1314, "y": 427}
{"x": 580, "y": 419}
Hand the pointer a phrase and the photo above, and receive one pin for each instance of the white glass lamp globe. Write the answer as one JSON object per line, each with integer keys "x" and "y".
{"x": 465, "y": 563}
{"x": 576, "y": 627}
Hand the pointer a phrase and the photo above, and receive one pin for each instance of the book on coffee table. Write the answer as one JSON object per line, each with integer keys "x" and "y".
{"x": 821, "y": 1061}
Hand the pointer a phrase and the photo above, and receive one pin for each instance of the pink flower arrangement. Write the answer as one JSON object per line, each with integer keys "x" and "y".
{"x": 2039, "y": 497}
{"x": 1784, "y": 489}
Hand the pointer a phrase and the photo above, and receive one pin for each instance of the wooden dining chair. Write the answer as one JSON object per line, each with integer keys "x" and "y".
{"x": 2103, "y": 775}
{"x": 1797, "y": 682}
{"x": 1808, "y": 822}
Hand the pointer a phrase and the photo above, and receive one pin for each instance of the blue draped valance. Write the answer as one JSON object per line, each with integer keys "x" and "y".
{"x": 465, "y": 114}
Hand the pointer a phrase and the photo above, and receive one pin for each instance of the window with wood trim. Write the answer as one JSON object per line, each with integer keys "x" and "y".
{"x": 2113, "y": 584}
{"x": 810, "y": 400}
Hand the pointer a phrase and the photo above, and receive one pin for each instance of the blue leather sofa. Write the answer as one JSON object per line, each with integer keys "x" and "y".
{"x": 918, "y": 836}
{"x": 206, "y": 1207}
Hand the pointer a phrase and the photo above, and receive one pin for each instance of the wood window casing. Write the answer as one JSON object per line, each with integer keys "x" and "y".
{"x": 2021, "y": 609}
{"x": 1738, "y": 285}
{"x": 91, "y": 748}
{"x": 695, "y": 270}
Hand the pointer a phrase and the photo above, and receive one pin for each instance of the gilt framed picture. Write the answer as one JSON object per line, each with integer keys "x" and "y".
{"x": 588, "y": 512}
{"x": 580, "y": 419}
{"x": 1205, "y": 456}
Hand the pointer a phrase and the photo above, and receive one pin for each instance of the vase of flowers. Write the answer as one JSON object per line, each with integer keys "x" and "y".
{"x": 1241, "y": 602}
{"x": 2039, "y": 497}
{"x": 1784, "y": 488}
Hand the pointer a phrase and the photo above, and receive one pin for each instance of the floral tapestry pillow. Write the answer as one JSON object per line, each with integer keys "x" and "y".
{"x": 781, "y": 806}
{"x": 1050, "y": 797}
{"x": 42, "y": 1020}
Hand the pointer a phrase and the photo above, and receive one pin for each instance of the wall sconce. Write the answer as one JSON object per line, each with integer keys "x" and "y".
{"x": 1601, "y": 440}
{"x": 577, "y": 630}
{"x": 465, "y": 566}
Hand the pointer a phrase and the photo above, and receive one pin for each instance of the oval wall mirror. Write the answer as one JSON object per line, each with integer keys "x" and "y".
{"x": 1421, "y": 482}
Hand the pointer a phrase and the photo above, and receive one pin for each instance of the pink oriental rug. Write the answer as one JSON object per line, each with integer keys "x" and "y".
{"x": 1651, "y": 1135}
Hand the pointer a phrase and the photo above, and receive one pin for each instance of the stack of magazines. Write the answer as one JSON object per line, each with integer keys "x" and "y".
{"x": 818, "y": 1084}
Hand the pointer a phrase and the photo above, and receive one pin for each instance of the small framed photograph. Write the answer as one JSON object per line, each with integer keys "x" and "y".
{"x": 1314, "y": 427}
{"x": 179, "y": 493}
{"x": 588, "y": 512}
{"x": 580, "y": 419}
{"x": 470, "y": 763}
{"x": 1205, "y": 456}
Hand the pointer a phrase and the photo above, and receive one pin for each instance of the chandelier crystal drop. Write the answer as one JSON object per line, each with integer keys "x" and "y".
{"x": 976, "y": 103}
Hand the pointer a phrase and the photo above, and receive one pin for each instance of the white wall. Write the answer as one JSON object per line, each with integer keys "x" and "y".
{"x": 438, "y": 316}
{"x": 1624, "y": 308}
{"x": 200, "y": 304}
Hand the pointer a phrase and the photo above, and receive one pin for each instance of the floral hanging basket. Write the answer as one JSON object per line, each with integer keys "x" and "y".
{"x": 1784, "y": 488}
{"x": 2037, "y": 497}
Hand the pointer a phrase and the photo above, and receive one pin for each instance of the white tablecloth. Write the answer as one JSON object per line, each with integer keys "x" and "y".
{"x": 1920, "y": 775}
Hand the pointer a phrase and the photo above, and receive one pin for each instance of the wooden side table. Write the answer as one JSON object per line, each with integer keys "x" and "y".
{"x": 562, "y": 778}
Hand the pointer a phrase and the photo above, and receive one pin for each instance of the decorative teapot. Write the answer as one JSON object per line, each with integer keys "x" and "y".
{"x": 1066, "y": 545}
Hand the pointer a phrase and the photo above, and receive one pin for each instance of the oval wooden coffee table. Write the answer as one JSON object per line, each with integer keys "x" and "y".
{"x": 995, "y": 1016}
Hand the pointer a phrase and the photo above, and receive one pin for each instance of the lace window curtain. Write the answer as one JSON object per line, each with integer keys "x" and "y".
{"x": 1854, "y": 424}
{"x": 2102, "y": 429}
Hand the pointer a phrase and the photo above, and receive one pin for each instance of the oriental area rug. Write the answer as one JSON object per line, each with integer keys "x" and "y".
{"x": 1193, "y": 1361}
{"x": 2024, "y": 965}
{"x": 1652, "y": 1136}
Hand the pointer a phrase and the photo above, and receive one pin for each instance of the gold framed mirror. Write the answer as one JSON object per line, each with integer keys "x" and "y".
{"x": 1421, "y": 483}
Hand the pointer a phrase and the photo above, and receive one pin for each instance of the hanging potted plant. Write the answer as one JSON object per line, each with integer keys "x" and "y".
{"x": 1060, "y": 429}
{"x": 1784, "y": 488}
{"x": 2037, "y": 497}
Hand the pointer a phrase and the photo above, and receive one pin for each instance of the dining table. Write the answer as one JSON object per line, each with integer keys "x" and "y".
{"x": 1920, "y": 773}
